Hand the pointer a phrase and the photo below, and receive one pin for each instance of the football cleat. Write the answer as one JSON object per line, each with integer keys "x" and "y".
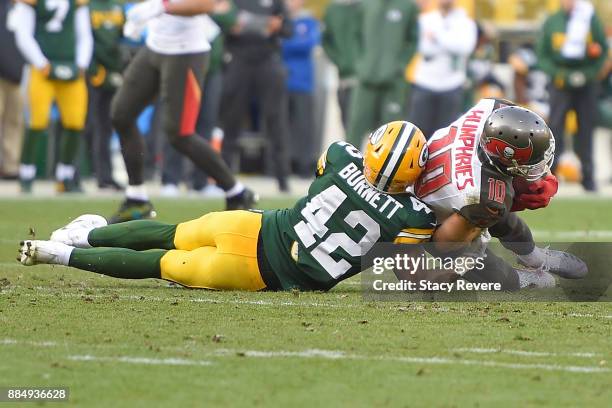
{"x": 531, "y": 278}
{"x": 131, "y": 210}
{"x": 560, "y": 263}
{"x": 43, "y": 252}
{"x": 76, "y": 232}
{"x": 243, "y": 201}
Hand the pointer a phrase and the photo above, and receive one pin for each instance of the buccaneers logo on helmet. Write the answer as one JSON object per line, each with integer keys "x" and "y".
{"x": 508, "y": 153}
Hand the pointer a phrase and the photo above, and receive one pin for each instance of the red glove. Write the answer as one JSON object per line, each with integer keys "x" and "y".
{"x": 534, "y": 195}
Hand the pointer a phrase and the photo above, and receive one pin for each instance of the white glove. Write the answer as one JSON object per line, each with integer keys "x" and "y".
{"x": 146, "y": 10}
{"x": 133, "y": 31}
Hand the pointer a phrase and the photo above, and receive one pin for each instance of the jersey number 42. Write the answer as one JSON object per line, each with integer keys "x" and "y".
{"x": 311, "y": 232}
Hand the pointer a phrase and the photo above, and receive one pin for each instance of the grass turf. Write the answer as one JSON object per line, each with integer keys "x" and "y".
{"x": 139, "y": 343}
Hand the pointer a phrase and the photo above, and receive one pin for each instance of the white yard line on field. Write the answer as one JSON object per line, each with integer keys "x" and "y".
{"x": 141, "y": 360}
{"x": 327, "y": 355}
{"x": 573, "y": 234}
{"x": 524, "y": 352}
{"x": 53, "y": 293}
{"x": 335, "y": 355}
{"x": 6, "y": 342}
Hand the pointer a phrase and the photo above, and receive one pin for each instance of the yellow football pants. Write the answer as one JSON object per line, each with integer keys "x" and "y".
{"x": 70, "y": 96}
{"x": 216, "y": 251}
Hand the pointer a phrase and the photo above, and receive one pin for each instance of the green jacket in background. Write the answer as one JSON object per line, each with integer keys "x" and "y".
{"x": 107, "y": 20}
{"x": 563, "y": 70}
{"x": 389, "y": 38}
{"x": 341, "y": 28}
{"x": 225, "y": 21}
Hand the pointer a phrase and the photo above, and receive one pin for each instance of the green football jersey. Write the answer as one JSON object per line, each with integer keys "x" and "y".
{"x": 55, "y": 28}
{"x": 319, "y": 242}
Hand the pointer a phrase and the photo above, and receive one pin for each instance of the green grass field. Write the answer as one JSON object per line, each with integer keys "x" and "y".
{"x": 142, "y": 344}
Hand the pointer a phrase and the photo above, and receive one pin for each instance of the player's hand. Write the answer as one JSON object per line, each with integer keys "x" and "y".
{"x": 46, "y": 70}
{"x": 140, "y": 13}
{"x": 537, "y": 195}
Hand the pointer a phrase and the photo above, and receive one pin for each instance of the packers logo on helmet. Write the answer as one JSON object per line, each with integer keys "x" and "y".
{"x": 395, "y": 156}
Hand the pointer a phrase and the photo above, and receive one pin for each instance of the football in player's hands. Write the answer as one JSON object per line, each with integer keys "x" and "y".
{"x": 533, "y": 195}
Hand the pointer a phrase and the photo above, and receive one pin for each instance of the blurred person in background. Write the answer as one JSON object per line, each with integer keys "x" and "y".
{"x": 342, "y": 44}
{"x": 572, "y": 49}
{"x": 11, "y": 100}
{"x": 104, "y": 78}
{"x": 223, "y": 18}
{"x": 388, "y": 41}
{"x": 530, "y": 82}
{"x": 254, "y": 72}
{"x": 447, "y": 37}
{"x": 298, "y": 57}
{"x": 55, "y": 39}
{"x": 172, "y": 66}
{"x": 482, "y": 82}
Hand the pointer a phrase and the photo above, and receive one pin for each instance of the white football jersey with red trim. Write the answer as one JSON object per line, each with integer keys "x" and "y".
{"x": 452, "y": 177}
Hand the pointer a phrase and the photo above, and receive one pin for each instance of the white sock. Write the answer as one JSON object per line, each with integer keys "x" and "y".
{"x": 64, "y": 172}
{"x": 79, "y": 239}
{"x": 138, "y": 193}
{"x": 27, "y": 171}
{"x": 535, "y": 259}
{"x": 64, "y": 257}
{"x": 234, "y": 191}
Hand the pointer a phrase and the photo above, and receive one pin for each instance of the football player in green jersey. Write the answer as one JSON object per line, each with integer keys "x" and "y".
{"x": 353, "y": 203}
{"x": 55, "y": 38}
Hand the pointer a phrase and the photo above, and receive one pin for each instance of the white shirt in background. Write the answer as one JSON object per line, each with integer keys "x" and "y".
{"x": 445, "y": 44}
{"x": 174, "y": 35}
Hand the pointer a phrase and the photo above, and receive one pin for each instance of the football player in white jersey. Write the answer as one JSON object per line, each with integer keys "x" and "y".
{"x": 171, "y": 66}
{"x": 491, "y": 162}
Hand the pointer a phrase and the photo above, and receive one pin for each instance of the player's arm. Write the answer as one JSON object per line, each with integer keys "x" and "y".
{"x": 24, "y": 34}
{"x": 84, "y": 36}
{"x": 455, "y": 233}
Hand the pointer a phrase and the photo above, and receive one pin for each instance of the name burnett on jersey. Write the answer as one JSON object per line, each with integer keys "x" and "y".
{"x": 356, "y": 180}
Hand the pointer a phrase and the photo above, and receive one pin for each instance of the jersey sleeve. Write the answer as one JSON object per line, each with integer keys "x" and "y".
{"x": 420, "y": 225}
{"x": 414, "y": 235}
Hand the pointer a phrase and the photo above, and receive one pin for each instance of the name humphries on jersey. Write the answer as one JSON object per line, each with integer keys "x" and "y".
{"x": 384, "y": 203}
{"x": 464, "y": 174}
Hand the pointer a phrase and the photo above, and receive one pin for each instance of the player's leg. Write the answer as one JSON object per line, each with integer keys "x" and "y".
{"x": 271, "y": 90}
{"x": 221, "y": 248}
{"x": 71, "y": 99}
{"x": 363, "y": 114}
{"x": 91, "y": 230}
{"x": 212, "y": 268}
{"x": 115, "y": 262}
{"x": 39, "y": 101}
{"x": 515, "y": 235}
{"x": 139, "y": 88}
{"x": 586, "y": 104}
{"x": 181, "y": 79}
{"x": 393, "y": 103}
{"x": 560, "y": 103}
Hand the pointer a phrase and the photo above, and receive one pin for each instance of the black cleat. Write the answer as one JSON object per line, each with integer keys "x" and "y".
{"x": 131, "y": 210}
{"x": 243, "y": 201}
